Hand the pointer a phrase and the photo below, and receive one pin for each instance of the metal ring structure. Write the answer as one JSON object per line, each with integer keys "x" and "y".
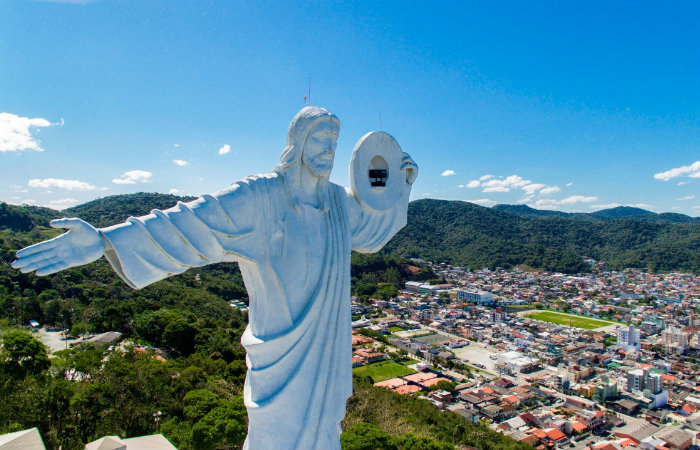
{"x": 376, "y": 178}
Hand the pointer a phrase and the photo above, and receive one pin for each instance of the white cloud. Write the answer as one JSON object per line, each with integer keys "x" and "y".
{"x": 133, "y": 177}
{"x": 486, "y": 177}
{"x": 504, "y": 185}
{"x": 224, "y": 149}
{"x": 174, "y": 191}
{"x": 16, "y": 133}
{"x": 71, "y": 185}
{"x": 176, "y": 145}
{"x": 532, "y": 188}
{"x": 448, "y": 173}
{"x": 682, "y": 183}
{"x": 692, "y": 171}
{"x": 687, "y": 197}
{"x": 473, "y": 184}
{"x": 181, "y": 162}
{"x": 550, "y": 190}
{"x": 550, "y": 203}
{"x": 577, "y": 199}
{"x": 546, "y": 203}
{"x": 63, "y": 203}
{"x": 483, "y": 202}
{"x": 569, "y": 183}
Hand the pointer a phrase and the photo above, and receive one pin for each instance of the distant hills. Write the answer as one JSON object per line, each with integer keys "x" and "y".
{"x": 470, "y": 235}
{"x": 620, "y": 212}
{"x": 474, "y": 236}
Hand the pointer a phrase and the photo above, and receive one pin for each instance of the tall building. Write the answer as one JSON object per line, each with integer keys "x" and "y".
{"x": 473, "y": 295}
{"x": 628, "y": 339}
{"x": 674, "y": 340}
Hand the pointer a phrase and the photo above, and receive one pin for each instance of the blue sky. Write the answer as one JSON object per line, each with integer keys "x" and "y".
{"x": 575, "y": 106}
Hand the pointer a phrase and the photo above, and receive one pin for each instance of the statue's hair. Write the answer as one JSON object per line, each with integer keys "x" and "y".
{"x": 299, "y": 130}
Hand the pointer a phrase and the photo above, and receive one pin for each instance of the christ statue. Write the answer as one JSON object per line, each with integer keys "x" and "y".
{"x": 291, "y": 231}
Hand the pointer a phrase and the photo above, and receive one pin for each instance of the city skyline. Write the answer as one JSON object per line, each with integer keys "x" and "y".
{"x": 567, "y": 107}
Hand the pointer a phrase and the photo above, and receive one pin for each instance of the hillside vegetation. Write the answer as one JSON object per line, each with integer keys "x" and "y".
{"x": 469, "y": 235}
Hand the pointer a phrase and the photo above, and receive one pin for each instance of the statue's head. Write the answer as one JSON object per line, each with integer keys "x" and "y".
{"x": 311, "y": 141}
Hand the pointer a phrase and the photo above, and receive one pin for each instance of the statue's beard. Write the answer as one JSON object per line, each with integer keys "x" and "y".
{"x": 319, "y": 167}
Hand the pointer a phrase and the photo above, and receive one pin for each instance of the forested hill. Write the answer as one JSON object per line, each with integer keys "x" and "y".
{"x": 620, "y": 212}
{"x": 114, "y": 209}
{"x": 474, "y": 236}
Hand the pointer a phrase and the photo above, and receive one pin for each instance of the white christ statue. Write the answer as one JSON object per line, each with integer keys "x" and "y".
{"x": 291, "y": 231}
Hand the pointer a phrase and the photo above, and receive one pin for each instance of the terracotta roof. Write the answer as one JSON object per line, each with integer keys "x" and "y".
{"x": 555, "y": 434}
{"x": 420, "y": 377}
{"x": 579, "y": 427}
{"x": 407, "y": 389}
{"x": 391, "y": 383}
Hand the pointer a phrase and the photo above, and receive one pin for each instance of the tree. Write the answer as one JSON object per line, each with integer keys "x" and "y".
{"x": 22, "y": 355}
{"x": 223, "y": 425}
{"x": 179, "y": 335}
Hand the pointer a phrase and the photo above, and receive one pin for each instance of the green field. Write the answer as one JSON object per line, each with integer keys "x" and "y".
{"x": 394, "y": 329}
{"x": 569, "y": 320}
{"x": 383, "y": 370}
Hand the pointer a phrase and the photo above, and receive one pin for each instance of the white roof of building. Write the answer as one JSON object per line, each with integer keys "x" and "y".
{"x": 151, "y": 442}
{"x": 22, "y": 440}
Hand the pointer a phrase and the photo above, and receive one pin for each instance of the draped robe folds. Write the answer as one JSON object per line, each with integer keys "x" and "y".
{"x": 295, "y": 261}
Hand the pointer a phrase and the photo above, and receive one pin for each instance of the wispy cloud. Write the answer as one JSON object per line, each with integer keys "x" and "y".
{"x": 174, "y": 191}
{"x": 505, "y": 184}
{"x": 181, "y": 162}
{"x": 687, "y": 197}
{"x": 485, "y": 177}
{"x": 63, "y": 203}
{"x": 550, "y": 203}
{"x": 550, "y": 190}
{"x": 692, "y": 171}
{"x": 483, "y": 201}
{"x": 448, "y": 173}
{"x": 133, "y": 177}
{"x": 578, "y": 199}
{"x": 16, "y": 132}
{"x": 532, "y": 188}
{"x": 569, "y": 183}
{"x": 224, "y": 149}
{"x": 71, "y": 185}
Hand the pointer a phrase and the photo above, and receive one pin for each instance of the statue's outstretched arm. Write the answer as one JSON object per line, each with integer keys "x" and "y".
{"x": 81, "y": 244}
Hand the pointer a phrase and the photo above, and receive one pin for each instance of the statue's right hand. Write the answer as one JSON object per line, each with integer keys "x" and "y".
{"x": 82, "y": 244}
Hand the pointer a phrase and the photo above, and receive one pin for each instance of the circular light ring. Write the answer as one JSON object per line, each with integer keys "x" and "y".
{"x": 383, "y": 187}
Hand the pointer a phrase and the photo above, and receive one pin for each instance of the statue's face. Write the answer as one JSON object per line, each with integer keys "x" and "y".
{"x": 319, "y": 149}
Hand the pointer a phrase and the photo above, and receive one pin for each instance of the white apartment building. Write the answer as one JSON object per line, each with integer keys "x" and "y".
{"x": 628, "y": 339}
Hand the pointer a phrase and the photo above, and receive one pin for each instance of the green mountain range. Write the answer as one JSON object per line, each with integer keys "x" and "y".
{"x": 505, "y": 236}
{"x": 473, "y": 236}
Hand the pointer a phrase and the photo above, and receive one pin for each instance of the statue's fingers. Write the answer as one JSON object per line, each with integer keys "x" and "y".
{"x": 25, "y": 261}
{"x": 36, "y": 248}
{"x": 53, "y": 268}
{"x": 68, "y": 223}
{"x": 39, "y": 264}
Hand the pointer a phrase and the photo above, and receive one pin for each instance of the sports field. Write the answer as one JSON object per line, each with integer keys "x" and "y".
{"x": 568, "y": 319}
{"x": 383, "y": 370}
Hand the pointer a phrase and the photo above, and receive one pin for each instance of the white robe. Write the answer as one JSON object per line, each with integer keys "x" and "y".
{"x": 295, "y": 261}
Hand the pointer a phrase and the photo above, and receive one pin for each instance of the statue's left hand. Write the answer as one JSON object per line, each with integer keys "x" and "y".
{"x": 82, "y": 244}
{"x": 410, "y": 167}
